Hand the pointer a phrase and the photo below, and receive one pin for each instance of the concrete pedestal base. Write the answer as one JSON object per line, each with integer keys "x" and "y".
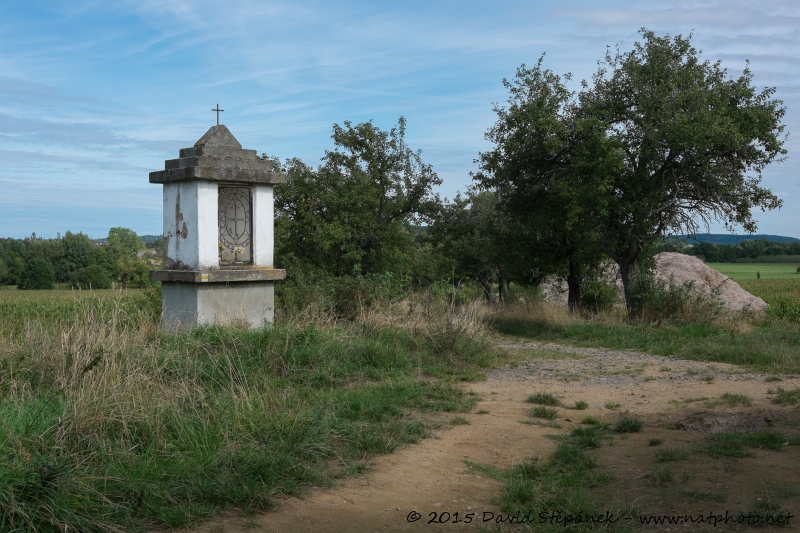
{"x": 203, "y": 304}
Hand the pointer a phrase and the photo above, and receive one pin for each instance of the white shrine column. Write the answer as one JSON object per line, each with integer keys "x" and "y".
{"x": 191, "y": 225}
{"x": 264, "y": 221}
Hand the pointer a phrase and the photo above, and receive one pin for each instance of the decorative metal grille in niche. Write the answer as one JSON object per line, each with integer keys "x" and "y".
{"x": 235, "y": 226}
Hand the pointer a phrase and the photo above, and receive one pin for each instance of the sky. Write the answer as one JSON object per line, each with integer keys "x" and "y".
{"x": 94, "y": 95}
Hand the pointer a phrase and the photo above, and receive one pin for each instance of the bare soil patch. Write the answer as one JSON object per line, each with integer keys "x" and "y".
{"x": 681, "y": 403}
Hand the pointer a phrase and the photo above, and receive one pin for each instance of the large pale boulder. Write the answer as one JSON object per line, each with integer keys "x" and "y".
{"x": 680, "y": 268}
{"x": 675, "y": 268}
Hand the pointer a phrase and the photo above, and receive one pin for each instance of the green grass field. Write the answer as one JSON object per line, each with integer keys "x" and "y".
{"x": 737, "y": 271}
{"x": 108, "y": 424}
{"x": 779, "y": 283}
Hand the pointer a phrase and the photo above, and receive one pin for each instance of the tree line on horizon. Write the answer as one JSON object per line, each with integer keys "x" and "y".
{"x": 74, "y": 260}
{"x": 746, "y": 251}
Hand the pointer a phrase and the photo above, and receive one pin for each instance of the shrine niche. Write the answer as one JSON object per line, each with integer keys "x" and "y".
{"x": 235, "y": 226}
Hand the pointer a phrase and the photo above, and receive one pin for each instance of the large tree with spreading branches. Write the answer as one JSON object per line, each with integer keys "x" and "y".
{"x": 659, "y": 142}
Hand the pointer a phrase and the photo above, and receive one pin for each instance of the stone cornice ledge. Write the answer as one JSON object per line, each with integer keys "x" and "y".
{"x": 218, "y": 276}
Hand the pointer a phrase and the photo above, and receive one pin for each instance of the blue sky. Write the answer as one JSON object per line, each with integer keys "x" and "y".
{"x": 96, "y": 94}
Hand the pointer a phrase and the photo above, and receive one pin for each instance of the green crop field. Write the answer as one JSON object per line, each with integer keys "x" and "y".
{"x": 737, "y": 271}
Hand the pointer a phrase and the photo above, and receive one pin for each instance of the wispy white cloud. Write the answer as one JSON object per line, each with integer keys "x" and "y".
{"x": 122, "y": 85}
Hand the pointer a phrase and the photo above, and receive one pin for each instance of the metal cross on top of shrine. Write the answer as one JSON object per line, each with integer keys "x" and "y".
{"x": 218, "y": 111}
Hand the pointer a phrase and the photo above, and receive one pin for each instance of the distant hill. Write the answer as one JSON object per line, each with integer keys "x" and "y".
{"x": 148, "y": 240}
{"x": 727, "y": 238}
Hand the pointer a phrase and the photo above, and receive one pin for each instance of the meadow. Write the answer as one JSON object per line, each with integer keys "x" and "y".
{"x": 747, "y": 271}
{"x": 779, "y": 285}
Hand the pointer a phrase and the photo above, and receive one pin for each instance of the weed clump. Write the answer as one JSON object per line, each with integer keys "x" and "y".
{"x": 737, "y": 399}
{"x": 587, "y": 438}
{"x": 540, "y": 411}
{"x": 786, "y": 397}
{"x": 628, "y": 425}
{"x": 737, "y": 444}
{"x": 592, "y": 421}
{"x": 542, "y": 398}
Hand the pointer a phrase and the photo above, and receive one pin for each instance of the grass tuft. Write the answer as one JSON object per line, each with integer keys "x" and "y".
{"x": 787, "y": 397}
{"x": 737, "y": 399}
{"x": 628, "y": 425}
{"x": 660, "y": 476}
{"x": 587, "y": 438}
{"x": 540, "y": 411}
{"x": 592, "y": 421}
{"x": 737, "y": 444}
{"x": 541, "y": 398}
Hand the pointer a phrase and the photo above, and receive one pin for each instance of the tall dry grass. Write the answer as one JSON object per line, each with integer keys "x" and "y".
{"x": 108, "y": 423}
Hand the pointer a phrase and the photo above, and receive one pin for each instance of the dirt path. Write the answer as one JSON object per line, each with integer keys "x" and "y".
{"x": 432, "y": 477}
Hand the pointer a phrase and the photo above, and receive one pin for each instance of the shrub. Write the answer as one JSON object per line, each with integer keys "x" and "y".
{"x": 95, "y": 277}
{"x": 346, "y": 297}
{"x": 598, "y": 294}
{"x": 355, "y": 293}
{"x": 37, "y": 274}
{"x": 656, "y": 300}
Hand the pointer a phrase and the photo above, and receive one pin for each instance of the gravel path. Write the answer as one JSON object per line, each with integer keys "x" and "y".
{"x": 594, "y": 367}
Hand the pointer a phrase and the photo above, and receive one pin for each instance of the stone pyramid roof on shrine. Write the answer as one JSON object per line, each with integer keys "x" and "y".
{"x": 217, "y": 156}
